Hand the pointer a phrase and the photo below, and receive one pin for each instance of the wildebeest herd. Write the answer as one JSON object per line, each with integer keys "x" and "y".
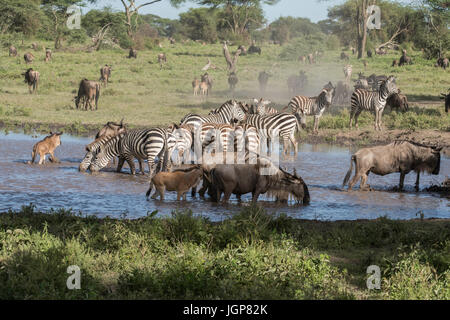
{"x": 231, "y": 149}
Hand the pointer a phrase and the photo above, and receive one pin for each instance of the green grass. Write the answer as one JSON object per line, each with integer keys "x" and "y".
{"x": 252, "y": 255}
{"x": 146, "y": 95}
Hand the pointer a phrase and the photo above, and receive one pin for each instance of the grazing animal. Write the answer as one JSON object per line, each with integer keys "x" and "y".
{"x": 361, "y": 84}
{"x": 398, "y": 156}
{"x": 32, "y": 79}
{"x": 240, "y": 179}
{"x": 348, "y": 72}
{"x": 204, "y": 89}
{"x": 263, "y": 78}
{"x": 209, "y": 81}
{"x": 395, "y": 63}
{"x": 12, "y": 51}
{"x": 342, "y": 92}
{"x": 446, "y": 97}
{"x": 443, "y": 63}
{"x": 181, "y": 181}
{"x": 398, "y": 102}
{"x": 311, "y": 59}
{"x": 28, "y": 57}
{"x": 34, "y": 46}
{"x": 344, "y": 56}
{"x": 313, "y": 106}
{"x": 404, "y": 59}
{"x": 162, "y": 59}
{"x": 353, "y": 50}
{"x": 89, "y": 91}
{"x": 46, "y": 146}
{"x": 132, "y": 53}
{"x": 196, "y": 86}
{"x": 296, "y": 83}
{"x": 144, "y": 144}
{"x": 254, "y": 49}
{"x": 369, "y": 53}
{"x": 374, "y": 101}
{"x": 105, "y": 73}
{"x": 243, "y": 50}
{"x": 375, "y": 81}
{"x": 226, "y": 113}
{"x": 380, "y": 51}
{"x": 111, "y": 129}
{"x": 48, "y": 55}
{"x": 262, "y": 107}
{"x": 302, "y": 59}
{"x": 232, "y": 81}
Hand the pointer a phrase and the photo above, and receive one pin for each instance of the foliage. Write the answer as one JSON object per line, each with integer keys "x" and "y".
{"x": 199, "y": 24}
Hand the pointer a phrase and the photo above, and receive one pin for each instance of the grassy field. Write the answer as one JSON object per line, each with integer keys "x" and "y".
{"x": 249, "y": 256}
{"x": 146, "y": 95}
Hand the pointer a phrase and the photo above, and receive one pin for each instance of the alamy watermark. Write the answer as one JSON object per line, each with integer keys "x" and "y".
{"x": 374, "y": 280}
{"x": 74, "y": 20}
{"x": 374, "y": 20}
{"x": 74, "y": 280}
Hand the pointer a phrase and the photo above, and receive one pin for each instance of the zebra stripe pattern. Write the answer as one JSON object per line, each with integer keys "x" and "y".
{"x": 348, "y": 72}
{"x": 374, "y": 101}
{"x": 247, "y": 142}
{"x": 227, "y": 113}
{"x": 92, "y": 149}
{"x": 142, "y": 144}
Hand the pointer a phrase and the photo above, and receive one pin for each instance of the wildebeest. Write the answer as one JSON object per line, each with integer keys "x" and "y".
{"x": 132, "y": 53}
{"x": 344, "y": 56}
{"x": 28, "y": 57}
{"x": 395, "y": 63}
{"x": 446, "y": 97}
{"x": 404, "y": 59}
{"x": 12, "y": 51}
{"x": 32, "y": 79}
{"x": 46, "y": 146}
{"x": 232, "y": 81}
{"x": 111, "y": 129}
{"x": 105, "y": 73}
{"x": 399, "y": 156}
{"x": 353, "y": 50}
{"x": 263, "y": 78}
{"x": 258, "y": 179}
{"x": 162, "y": 59}
{"x": 34, "y": 46}
{"x": 342, "y": 92}
{"x": 369, "y": 53}
{"x": 398, "y": 102}
{"x": 296, "y": 83}
{"x": 443, "y": 63}
{"x": 181, "y": 181}
{"x": 48, "y": 55}
{"x": 88, "y": 90}
{"x": 254, "y": 49}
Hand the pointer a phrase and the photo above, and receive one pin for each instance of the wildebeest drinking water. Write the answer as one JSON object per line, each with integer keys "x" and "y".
{"x": 398, "y": 156}
{"x": 32, "y": 79}
{"x": 46, "y": 146}
{"x": 89, "y": 91}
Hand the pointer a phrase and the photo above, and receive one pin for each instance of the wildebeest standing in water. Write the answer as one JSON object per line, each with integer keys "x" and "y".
{"x": 162, "y": 59}
{"x": 240, "y": 179}
{"x": 28, "y": 57}
{"x": 132, "y": 53}
{"x": 32, "y": 79}
{"x": 446, "y": 97}
{"x": 48, "y": 55}
{"x": 105, "y": 73}
{"x": 398, "y": 156}
{"x": 263, "y": 78}
{"x": 46, "y": 146}
{"x": 88, "y": 90}
{"x": 12, "y": 51}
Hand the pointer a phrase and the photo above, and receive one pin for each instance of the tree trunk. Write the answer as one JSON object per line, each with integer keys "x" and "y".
{"x": 362, "y": 28}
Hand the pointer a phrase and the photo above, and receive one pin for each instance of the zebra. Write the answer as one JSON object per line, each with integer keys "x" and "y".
{"x": 312, "y": 106}
{"x": 374, "y": 101}
{"x": 262, "y": 107}
{"x": 227, "y": 113}
{"x": 281, "y": 124}
{"x": 348, "y": 72}
{"x": 247, "y": 142}
{"x": 142, "y": 144}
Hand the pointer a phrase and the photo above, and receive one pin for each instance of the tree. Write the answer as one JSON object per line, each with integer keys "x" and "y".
{"x": 19, "y": 16}
{"x": 200, "y": 24}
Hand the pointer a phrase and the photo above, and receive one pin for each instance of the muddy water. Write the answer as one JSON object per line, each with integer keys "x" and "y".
{"x": 108, "y": 193}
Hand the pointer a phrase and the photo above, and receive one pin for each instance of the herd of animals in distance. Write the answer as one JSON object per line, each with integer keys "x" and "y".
{"x": 240, "y": 128}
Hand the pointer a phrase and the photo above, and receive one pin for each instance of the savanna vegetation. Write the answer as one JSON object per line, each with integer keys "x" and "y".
{"x": 252, "y": 255}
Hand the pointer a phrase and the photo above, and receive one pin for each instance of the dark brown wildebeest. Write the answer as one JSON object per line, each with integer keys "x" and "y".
{"x": 404, "y": 59}
{"x": 88, "y": 90}
{"x": 395, "y": 63}
{"x": 46, "y": 146}
{"x": 32, "y": 79}
{"x": 12, "y": 51}
{"x": 344, "y": 56}
{"x": 48, "y": 55}
{"x": 263, "y": 78}
{"x": 296, "y": 83}
{"x": 443, "y": 63}
{"x": 446, "y": 98}
{"x": 105, "y": 73}
{"x": 369, "y": 53}
{"x": 254, "y": 49}
{"x": 28, "y": 57}
{"x": 179, "y": 180}
{"x": 342, "y": 92}
{"x": 111, "y": 129}
{"x": 398, "y": 102}
{"x": 258, "y": 179}
{"x": 232, "y": 81}
{"x": 162, "y": 59}
{"x": 132, "y": 53}
{"x": 399, "y": 156}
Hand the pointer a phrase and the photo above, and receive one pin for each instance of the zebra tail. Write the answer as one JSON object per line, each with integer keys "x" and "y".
{"x": 349, "y": 172}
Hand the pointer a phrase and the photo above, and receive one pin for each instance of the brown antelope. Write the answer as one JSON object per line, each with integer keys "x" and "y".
{"x": 204, "y": 89}
{"x": 162, "y": 59}
{"x": 196, "y": 86}
{"x": 46, "y": 146}
{"x": 48, "y": 55}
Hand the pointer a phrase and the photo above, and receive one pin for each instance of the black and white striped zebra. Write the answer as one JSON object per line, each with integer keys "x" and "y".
{"x": 227, "y": 113}
{"x": 282, "y": 125}
{"x": 145, "y": 144}
{"x": 247, "y": 143}
{"x": 262, "y": 108}
{"x": 312, "y": 106}
{"x": 374, "y": 101}
{"x": 348, "y": 72}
